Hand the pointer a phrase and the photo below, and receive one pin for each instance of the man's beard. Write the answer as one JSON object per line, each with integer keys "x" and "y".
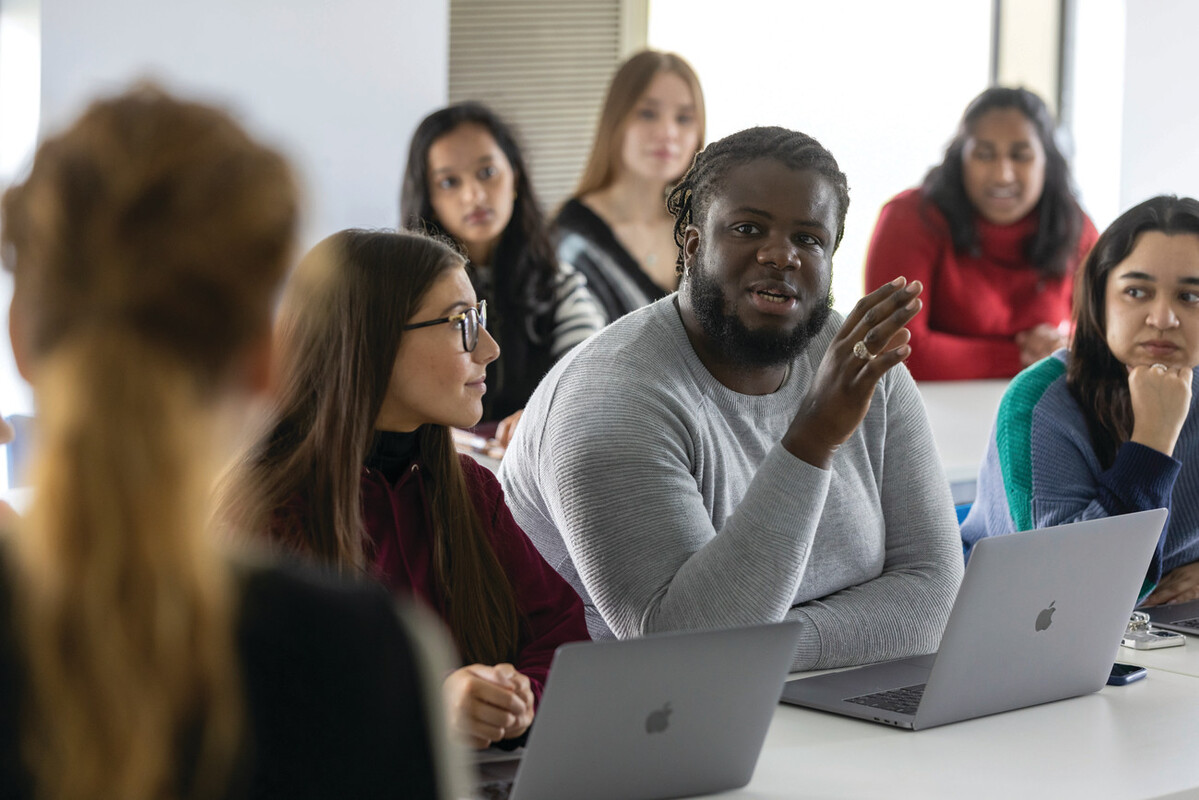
{"x": 728, "y": 334}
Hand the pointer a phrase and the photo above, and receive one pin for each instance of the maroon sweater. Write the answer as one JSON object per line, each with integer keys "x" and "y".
{"x": 396, "y": 517}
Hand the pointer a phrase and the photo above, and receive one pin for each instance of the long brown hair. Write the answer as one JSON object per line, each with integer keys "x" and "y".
{"x": 339, "y": 330}
{"x": 145, "y": 246}
{"x": 1099, "y": 382}
{"x": 629, "y": 83}
{"x": 524, "y": 267}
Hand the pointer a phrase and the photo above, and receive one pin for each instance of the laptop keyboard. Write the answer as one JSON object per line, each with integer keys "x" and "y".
{"x": 1189, "y": 624}
{"x": 902, "y": 701}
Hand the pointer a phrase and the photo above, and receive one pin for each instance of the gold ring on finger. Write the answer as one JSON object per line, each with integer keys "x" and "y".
{"x": 861, "y": 351}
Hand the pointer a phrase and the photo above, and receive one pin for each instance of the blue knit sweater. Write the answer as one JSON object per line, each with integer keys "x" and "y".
{"x": 1041, "y": 470}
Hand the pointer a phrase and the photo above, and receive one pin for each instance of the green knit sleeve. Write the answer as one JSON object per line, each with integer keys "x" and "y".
{"x": 1013, "y": 435}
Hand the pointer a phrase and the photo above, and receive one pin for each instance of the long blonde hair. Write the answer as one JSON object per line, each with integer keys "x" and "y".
{"x": 629, "y": 83}
{"x": 145, "y": 246}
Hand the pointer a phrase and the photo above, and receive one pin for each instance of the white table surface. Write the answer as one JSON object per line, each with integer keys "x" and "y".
{"x": 1182, "y": 660}
{"x": 961, "y": 414}
{"x": 1127, "y": 742}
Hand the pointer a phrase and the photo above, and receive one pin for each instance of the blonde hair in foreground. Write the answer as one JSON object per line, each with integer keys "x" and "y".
{"x": 145, "y": 245}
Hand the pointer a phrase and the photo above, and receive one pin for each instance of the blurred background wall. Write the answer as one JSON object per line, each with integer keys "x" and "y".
{"x": 340, "y": 87}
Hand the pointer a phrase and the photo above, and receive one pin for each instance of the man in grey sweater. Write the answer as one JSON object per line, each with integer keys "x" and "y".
{"x": 736, "y": 454}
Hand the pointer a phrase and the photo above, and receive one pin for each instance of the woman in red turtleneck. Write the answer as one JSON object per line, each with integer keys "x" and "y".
{"x": 994, "y": 234}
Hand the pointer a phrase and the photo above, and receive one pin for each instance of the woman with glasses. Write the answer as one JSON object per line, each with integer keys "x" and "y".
{"x": 466, "y": 179}
{"x": 382, "y": 348}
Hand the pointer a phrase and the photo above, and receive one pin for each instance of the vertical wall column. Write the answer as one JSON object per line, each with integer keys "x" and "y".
{"x": 1028, "y": 47}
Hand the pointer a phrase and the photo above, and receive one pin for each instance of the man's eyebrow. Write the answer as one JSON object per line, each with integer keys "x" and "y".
{"x": 751, "y": 210}
{"x": 803, "y": 223}
{"x": 813, "y": 223}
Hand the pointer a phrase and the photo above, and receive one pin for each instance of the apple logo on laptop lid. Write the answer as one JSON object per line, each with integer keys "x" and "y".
{"x": 1045, "y": 618}
{"x": 658, "y": 720}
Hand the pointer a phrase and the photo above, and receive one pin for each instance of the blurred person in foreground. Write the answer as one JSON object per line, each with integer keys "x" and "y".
{"x": 137, "y": 660}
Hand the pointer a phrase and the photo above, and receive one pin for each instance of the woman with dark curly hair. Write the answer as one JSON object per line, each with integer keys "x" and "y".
{"x": 995, "y": 235}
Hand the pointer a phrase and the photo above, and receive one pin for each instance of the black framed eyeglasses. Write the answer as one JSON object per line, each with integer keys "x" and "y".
{"x": 469, "y": 322}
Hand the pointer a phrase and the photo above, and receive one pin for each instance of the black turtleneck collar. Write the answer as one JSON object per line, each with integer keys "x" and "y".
{"x": 391, "y": 453}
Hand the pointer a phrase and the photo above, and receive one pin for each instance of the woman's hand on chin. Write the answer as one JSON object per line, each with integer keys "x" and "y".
{"x": 1161, "y": 398}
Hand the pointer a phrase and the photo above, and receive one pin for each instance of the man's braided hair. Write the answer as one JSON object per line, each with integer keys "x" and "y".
{"x": 689, "y": 200}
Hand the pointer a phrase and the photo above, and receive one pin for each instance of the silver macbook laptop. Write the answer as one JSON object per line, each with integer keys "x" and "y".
{"x": 1181, "y": 617}
{"x": 664, "y": 716}
{"x": 1038, "y": 618}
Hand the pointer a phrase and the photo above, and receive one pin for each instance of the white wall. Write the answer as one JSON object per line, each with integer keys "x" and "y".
{"x": 1161, "y": 118}
{"x": 1098, "y": 113}
{"x": 339, "y": 87}
{"x": 20, "y": 45}
{"x": 881, "y": 84}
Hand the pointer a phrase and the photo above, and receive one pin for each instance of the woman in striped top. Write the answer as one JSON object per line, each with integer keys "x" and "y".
{"x": 466, "y": 179}
{"x": 616, "y": 229}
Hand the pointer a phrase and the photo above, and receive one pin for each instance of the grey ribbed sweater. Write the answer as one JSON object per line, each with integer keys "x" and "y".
{"x": 668, "y": 503}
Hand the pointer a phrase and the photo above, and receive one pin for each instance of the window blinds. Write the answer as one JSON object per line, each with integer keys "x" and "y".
{"x": 544, "y": 66}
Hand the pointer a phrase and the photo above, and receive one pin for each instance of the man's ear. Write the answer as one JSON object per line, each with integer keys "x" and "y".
{"x": 690, "y": 247}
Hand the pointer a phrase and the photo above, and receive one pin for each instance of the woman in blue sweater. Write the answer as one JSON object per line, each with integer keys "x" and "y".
{"x": 1109, "y": 427}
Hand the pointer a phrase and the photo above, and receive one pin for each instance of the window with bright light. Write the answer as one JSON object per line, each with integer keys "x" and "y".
{"x": 881, "y": 84}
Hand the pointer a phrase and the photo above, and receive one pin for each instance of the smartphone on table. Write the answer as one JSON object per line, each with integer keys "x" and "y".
{"x": 1123, "y": 674}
